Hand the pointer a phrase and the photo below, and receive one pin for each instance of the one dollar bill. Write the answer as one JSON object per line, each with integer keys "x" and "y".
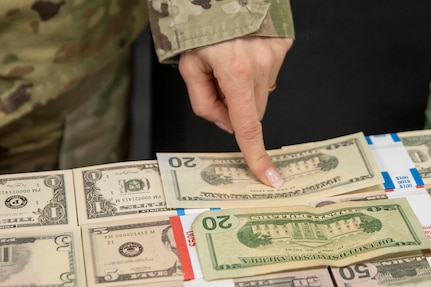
{"x": 243, "y": 242}
{"x": 119, "y": 191}
{"x": 37, "y": 199}
{"x": 310, "y": 171}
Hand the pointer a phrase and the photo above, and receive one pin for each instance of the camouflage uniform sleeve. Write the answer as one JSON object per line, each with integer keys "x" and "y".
{"x": 181, "y": 25}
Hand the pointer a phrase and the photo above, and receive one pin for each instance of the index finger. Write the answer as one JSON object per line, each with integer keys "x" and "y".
{"x": 249, "y": 135}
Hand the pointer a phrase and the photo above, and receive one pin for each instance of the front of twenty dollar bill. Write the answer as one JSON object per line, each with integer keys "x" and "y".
{"x": 310, "y": 171}
{"x": 243, "y": 242}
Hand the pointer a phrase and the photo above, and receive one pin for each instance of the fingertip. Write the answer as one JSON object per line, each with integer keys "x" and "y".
{"x": 274, "y": 178}
{"x": 264, "y": 169}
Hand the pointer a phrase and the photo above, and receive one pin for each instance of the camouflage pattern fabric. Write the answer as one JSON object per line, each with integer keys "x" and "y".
{"x": 65, "y": 73}
{"x": 181, "y": 25}
{"x": 64, "y": 81}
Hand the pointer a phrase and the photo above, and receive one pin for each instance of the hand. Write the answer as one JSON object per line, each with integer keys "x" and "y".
{"x": 228, "y": 84}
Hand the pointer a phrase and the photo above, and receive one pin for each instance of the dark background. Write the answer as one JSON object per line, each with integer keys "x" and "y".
{"x": 356, "y": 65}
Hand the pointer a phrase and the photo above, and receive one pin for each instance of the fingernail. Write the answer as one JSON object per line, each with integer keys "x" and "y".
{"x": 274, "y": 178}
{"x": 223, "y": 127}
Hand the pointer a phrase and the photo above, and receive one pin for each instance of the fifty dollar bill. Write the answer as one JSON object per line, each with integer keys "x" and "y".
{"x": 413, "y": 270}
{"x": 243, "y": 242}
{"x": 314, "y": 170}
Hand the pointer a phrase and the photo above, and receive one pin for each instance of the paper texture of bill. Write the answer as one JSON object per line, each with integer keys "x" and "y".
{"x": 319, "y": 169}
{"x": 243, "y": 242}
{"x": 131, "y": 252}
{"x": 52, "y": 257}
{"x": 37, "y": 199}
{"x": 119, "y": 191}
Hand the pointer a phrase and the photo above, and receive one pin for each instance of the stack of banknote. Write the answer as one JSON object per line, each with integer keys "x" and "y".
{"x": 418, "y": 146}
{"x": 202, "y": 219}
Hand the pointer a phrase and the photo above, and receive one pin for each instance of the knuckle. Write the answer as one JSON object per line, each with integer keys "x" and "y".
{"x": 266, "y": 64}
{"x": 185, "y": 70}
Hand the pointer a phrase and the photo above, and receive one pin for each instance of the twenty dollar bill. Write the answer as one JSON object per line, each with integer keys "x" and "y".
{"x": 314, "y": 170}
{"x": 243, "y": 242}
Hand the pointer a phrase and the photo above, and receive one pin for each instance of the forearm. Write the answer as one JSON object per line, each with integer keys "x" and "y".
{"x": 178, "y": 26}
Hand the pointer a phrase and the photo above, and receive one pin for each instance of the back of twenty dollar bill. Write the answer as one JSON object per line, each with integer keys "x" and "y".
{"x": 310, "y": 171}
{"x": 243, "y": 242}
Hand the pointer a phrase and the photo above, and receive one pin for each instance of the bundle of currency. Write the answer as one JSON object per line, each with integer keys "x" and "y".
{"x": 243, "y": 242}
{"x": 119, "y": 191}
{"x": 49, "y": 257}
{"x": 131, "y": 253}
{"x": 37, "y": 199}
{"x": 418, "y": 144}
{"x": 310, "y": 171}
{"x": 412, "y": 270}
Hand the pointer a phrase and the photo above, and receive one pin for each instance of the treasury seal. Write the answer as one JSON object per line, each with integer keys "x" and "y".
{"x": 16, "y": 201}
{"x": 131, "y": 249}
